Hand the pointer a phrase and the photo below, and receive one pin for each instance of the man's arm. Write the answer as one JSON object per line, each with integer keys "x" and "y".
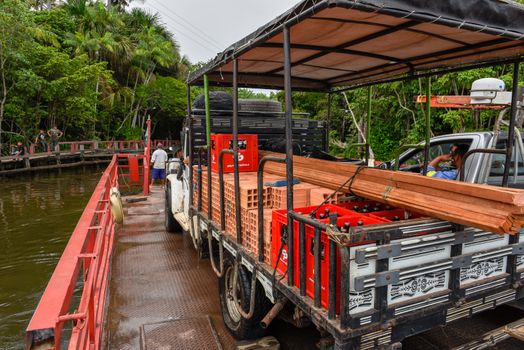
{"x": 436, "y": 161}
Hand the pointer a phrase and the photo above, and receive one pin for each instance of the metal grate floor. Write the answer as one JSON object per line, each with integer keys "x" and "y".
{"x": 180, "y": 334}
{"x": 157, "y": 278}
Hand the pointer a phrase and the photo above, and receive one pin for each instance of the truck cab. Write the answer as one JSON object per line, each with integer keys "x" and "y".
{"x": 479, "y": 167}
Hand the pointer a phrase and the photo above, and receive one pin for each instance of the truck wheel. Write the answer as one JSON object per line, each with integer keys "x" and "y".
{"x": 172, "y": 226}
{"x": 240, "y": 327}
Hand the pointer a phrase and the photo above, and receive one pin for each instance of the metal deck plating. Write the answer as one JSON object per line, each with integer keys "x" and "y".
{"x": 156, "y": 278}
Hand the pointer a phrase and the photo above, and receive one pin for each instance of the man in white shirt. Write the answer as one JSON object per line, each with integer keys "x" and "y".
{"x": 158, "y": 161}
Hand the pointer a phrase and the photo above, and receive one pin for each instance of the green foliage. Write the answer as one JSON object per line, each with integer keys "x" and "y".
{"x": 95, "y": 72}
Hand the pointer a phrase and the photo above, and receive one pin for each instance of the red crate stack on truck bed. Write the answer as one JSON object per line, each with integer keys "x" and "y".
{"x": 350, "y": 214}
{"x": 247, "y": 152}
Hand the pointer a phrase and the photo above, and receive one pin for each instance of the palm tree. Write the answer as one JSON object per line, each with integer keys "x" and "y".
{"x": 152, "y": 51}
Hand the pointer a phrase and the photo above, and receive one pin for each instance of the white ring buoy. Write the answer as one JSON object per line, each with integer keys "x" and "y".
{"x": 116, "y": 205}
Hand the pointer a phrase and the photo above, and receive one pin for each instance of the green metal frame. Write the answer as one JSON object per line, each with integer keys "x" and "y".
{"x": 208, "y": 111}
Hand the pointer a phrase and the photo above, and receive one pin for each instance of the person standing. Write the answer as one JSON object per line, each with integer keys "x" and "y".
{"x": 158, "y": 161}
{"x": 55, "y": 134}
{"x": 41, "y": 140}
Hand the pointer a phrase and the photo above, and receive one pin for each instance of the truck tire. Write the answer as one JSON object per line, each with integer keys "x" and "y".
{"x": 218, "y": 100}
{"x": 240, "y": 327}
{"x": 172, "y": 226}
{"x": 259, "y": 105}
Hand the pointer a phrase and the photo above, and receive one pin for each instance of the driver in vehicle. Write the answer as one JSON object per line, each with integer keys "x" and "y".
{"x": 456, "y": 155}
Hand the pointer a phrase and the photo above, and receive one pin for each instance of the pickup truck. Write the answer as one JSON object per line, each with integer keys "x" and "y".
{"x": 396, "y": 279}
{"x": 479, "y": 167}
{"x": 487, "y": 273}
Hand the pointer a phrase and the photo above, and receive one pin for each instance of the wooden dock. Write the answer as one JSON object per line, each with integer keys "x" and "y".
{"x": 13, "y": 165}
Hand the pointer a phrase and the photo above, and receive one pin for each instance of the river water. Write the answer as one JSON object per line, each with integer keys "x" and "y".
{"x": 37, "y": 215}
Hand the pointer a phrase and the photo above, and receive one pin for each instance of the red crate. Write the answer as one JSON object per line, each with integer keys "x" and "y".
{"x": 325, "y": 253}
{"x": 280, "y": 222}
{"x": 247, "y": 152}
{"x": 395, "y": 214}
{"x": 364, "y": 206}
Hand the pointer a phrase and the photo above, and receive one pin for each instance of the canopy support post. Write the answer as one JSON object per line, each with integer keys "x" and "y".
{"x": 208, "y": 141}
{"x": 289, "y": 155}
{"x": 368, "y": 125}
{"x": 235, "y": 153}
{"x": 428, "y": 126}
{"x": 328, "y": 122}
{"x": 511, "y": 131}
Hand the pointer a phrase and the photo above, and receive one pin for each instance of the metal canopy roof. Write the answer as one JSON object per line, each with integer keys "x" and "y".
{"x": 345, "y": 43}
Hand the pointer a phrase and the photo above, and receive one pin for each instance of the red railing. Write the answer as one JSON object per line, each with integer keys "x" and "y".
{"x": 98, "y": 146}
{"x": 86, "y": 260}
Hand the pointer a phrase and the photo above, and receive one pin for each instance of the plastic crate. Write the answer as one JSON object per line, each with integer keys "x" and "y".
{"x": 279, "y": 224}
{"x": 247, "y": 152}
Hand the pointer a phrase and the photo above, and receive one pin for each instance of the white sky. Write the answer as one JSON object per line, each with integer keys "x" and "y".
{"x": 203, "y": 28}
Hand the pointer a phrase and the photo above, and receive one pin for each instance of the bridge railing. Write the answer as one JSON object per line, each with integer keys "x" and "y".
{"x": 85, "y": 264}
{"x": 113, "y": 146}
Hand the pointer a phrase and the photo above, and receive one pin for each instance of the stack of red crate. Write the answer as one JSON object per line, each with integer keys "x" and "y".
{"x": 247, "y": 152}
{"x": 345, "y": 218}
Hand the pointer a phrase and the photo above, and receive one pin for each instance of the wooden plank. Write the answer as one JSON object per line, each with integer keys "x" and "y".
{"x": 486, "y": 207}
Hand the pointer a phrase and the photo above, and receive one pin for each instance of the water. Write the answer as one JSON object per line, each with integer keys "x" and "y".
{"x": 37, "y": 216}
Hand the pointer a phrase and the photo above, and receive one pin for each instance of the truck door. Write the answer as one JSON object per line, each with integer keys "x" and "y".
{"x": 413, "y": 159}
{"x": 497, "y": 166}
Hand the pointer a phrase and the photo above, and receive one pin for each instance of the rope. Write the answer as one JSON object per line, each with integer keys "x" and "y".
{"x": 335, "y": 235}
{"x": 349, "y": 180}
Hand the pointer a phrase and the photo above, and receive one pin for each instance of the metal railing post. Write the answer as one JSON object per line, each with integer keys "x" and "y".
{"x": 260, "y": 208}
{"x": 289, "y": 153}
{"x": 238, "y": 219}
{"x": 428, "y": 126}
{"x": 221, "y": 186}
{"x": 511, "y": 132}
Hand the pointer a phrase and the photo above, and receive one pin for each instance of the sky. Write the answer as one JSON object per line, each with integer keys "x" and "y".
{"x": 204, "y": 28}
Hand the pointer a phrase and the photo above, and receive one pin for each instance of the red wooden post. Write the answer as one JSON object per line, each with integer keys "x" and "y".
{"x": 147, "y": 154}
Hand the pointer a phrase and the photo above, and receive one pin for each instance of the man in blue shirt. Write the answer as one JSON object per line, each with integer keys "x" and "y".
{"x": 456, "y": 156}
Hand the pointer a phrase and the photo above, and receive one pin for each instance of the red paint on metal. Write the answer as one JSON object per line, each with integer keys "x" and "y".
{"x": 147, "y": 154}
{"x": 453, "y": 101}
{"x": 133, "y": 170}
{"x": 87, "y": 256}
{"x": 94, "y": 145}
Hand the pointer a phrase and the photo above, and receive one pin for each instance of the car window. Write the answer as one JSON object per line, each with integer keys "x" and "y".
{"x": 436, "y": 149}
{"x": 498, "y": 162}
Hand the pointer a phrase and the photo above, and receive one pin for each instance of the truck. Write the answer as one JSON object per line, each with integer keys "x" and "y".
{"x": 410, "y": 275}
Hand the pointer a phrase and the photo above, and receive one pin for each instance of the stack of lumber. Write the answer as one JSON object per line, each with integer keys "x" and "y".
{"x": 489, "y": 208}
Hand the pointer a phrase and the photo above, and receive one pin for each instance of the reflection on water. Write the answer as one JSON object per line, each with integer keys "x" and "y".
{"x": 37, "y": 216}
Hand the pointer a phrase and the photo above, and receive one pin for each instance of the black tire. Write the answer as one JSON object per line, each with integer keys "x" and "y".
{"x": 218, "y": 100}
{"x": 240, "y": 327}
{"x": 258, "y": 105}
{"x": 172, "y": 226}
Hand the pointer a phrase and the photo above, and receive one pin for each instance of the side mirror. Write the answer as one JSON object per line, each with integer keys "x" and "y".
{"x": 180, "y": 172}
